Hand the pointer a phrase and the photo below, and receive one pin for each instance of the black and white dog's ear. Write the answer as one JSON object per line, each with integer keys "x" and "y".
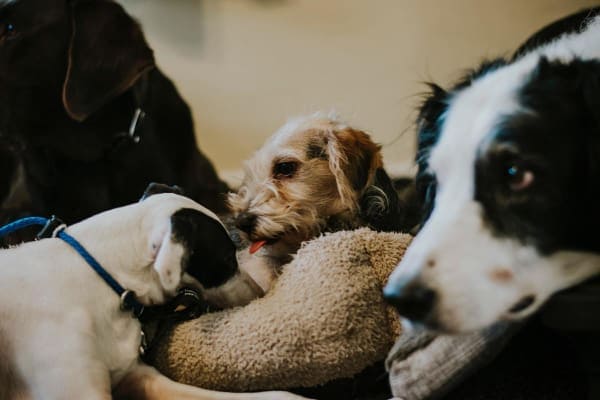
{"x": 156, "y": 188}
{"x": 196, "y": 243}
{"x": 168, "y": 261}
{"x": 429, "y": 125}
{"x": 210, "y": 252}
{"x": 430, "y": 122}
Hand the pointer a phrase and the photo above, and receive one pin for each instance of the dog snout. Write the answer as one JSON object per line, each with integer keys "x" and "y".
{"x": 413, "y": 300}
{"x": 246, "y": 222}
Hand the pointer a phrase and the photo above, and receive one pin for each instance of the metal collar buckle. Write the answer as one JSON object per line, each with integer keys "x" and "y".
{"x": 138, "y": 118}
{"x": 53, "y": 225}
{"x": 130, "y": 303}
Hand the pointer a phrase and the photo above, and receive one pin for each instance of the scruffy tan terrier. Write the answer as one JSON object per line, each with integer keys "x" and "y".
{"x": 314, "y": 175}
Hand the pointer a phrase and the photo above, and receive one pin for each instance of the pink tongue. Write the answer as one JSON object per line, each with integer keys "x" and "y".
{"x": 255, "y": 246}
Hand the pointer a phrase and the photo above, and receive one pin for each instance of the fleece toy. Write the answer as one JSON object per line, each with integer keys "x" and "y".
{"x": 324, "y": 319}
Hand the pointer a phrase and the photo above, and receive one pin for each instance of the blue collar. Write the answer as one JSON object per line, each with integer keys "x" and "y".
{"x": 54, "y": 227}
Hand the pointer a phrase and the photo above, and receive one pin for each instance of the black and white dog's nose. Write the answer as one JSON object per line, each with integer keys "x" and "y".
{"x": 246, "y": 222}
{"x": 413, "y": 300}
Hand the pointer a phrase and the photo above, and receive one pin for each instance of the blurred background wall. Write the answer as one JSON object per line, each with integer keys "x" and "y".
{"x": 245, "y": 66}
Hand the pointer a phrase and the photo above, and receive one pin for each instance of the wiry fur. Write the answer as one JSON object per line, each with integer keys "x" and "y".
{"x": 338, "y": 183}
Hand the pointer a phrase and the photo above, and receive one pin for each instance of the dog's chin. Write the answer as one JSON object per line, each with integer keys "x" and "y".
{"x": 453, "y": 323}
{"x": 286, "y": 244}
{"x": 282, "y": 245}
{"x": 280, "y": 248}
{"x": 444, "y": 328}
{"x": 433, "y": 323}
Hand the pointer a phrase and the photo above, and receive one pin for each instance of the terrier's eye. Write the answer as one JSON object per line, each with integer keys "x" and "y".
{"x": 519, "y": 178}
{"x": 285, "y": 169}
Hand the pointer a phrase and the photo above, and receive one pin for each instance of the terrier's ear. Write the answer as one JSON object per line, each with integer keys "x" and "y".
{"x": 353, "y": 160}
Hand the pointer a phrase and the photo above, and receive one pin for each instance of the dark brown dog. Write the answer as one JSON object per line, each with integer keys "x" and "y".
{"x": 87, "y": 120}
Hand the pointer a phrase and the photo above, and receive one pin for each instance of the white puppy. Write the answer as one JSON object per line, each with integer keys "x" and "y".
{"x": 62, "y": 333}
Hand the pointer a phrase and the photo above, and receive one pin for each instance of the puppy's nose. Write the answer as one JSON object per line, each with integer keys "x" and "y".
{"x": 413, "y": 301}
{"x": 246, "y": 222}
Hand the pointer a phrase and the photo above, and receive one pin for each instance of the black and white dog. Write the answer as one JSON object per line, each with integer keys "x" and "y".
{"x": 509, "y": 170}
{"x": 62, "y": 332}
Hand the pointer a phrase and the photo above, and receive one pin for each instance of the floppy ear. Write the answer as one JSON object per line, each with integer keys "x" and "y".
{"x": 353, "y": 160}
{"x": 107, "y": 54}
{"x": 429, "y": 124}
{"x": 430, "y": 121}
{"x": 168, "y": 260}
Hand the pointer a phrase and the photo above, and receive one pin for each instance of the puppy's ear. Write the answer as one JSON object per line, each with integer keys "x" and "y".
{"x": 107, "y": 54}
{"x": 196, "y": 243}
{"x": 353, "y": 160}
{"x": 168, "y": 259}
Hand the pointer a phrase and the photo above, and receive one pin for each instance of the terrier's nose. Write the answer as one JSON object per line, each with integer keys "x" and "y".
{"x": 246, "y": 222}
{"x": 414, "y": 300}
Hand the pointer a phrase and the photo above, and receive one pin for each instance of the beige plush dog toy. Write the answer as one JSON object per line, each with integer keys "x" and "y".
{"x": 324, "y": 319}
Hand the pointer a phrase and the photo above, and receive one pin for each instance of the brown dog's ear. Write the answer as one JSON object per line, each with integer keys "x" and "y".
{"x": 107, "y": 54}
{"x": 353, "y": 160}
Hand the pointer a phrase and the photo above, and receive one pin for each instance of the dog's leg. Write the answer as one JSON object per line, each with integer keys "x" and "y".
{"x": 146, "y": 383}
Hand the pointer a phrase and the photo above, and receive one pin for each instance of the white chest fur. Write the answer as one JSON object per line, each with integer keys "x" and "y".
{"x": 55, "y": 306}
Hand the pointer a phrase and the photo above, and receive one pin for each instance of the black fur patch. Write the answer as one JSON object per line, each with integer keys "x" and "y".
{"x": 557, "y": 138}
{"x": 210, "y": 253}
{"x": 430, "y": 122}
{"x": 574, "y": 23}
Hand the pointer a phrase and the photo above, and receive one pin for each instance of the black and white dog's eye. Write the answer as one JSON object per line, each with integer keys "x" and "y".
{"x": 8, "y": 30}
{"x": 519, "y": 178}
{"x": 285, "y": 169}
